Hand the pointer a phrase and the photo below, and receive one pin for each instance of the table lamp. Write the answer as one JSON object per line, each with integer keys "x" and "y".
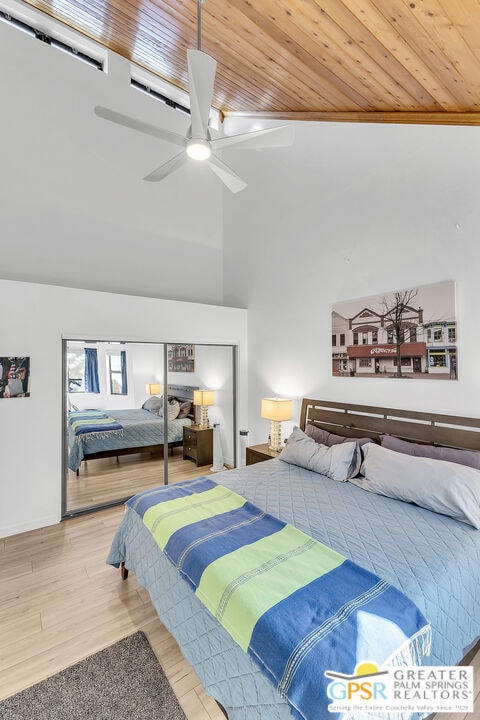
{"x": 276, "y": 410}
{"x": 153, "y": 388}
{"x": 203, "y": 398}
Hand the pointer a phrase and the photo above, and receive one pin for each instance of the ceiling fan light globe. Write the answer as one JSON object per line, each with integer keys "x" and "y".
{"x": 198, "y": 149}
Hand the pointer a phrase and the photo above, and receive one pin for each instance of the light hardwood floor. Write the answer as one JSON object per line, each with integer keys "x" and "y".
{"x": 104, "y": 480}
{"x": 60, "y": 603}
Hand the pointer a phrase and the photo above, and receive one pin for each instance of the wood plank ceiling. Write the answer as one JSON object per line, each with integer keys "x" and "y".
{"x": 359, "y": 60}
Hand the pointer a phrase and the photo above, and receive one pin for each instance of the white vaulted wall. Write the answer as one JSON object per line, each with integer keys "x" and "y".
{"x": 73, "y": 205}
{"x": 351, "y": 211}
{"x": 34, "y": 320}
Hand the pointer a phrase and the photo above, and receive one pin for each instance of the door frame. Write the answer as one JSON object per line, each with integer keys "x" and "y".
{"x": 65, "y": 514}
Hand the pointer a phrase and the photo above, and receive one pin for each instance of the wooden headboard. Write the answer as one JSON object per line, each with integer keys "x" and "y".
{"x": 182, "y": 392}
{"x": 370, "y": 421}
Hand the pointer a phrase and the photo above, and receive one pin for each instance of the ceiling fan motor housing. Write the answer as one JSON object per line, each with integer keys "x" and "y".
{"x": 198, "y": 149}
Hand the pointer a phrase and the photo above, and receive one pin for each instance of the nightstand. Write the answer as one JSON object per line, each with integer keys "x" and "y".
{"x": 198, "y": 445}
{"x": 259, "y": 453}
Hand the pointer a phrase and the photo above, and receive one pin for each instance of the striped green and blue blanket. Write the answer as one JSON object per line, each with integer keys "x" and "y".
{"x": 93, "y": 423}
{"x": 296, "y": 606}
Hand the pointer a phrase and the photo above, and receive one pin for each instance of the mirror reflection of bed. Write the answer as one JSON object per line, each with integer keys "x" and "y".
{"x": 115, "y": 427}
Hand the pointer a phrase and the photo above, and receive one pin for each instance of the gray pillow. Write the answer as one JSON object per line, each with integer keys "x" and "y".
{"x": 153, "y": 404}
{"x": 462, "y": 457}
{"x": 339, "y": 462}
{"x": 438, "y": 485}
{"x": 327, "y": 438}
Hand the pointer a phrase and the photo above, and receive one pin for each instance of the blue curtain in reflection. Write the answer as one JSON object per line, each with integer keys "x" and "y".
{"x": 123, "y": 366}
{"x": 91, "y": 371}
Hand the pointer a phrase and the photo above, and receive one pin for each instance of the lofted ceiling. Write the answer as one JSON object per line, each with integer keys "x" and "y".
{"x": 341, "y": 60}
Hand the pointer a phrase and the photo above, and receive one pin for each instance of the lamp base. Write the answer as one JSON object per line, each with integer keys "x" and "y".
{"x": 275, "y": 443}
{"x": 204, "y": 422}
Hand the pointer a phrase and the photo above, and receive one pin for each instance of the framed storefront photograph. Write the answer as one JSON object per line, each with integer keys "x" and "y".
{"x": 181, "y": 358}
{"x": 408, "y": 333}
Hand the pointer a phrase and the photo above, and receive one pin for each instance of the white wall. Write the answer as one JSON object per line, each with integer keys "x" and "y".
{"x": 216, "y": 374}
{"x": 147, "y": 367}
{"x": 214, "y": 371}
{"x": 351, "y": 211}
{"x": 34, "y": 319}
{"x": 75, "y": 210}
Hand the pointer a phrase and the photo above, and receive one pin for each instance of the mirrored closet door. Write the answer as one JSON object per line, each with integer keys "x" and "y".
{"x": 123, "y": 398}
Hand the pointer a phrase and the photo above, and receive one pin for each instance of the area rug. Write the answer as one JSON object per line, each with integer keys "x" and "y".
{"x": 122, "y": 682}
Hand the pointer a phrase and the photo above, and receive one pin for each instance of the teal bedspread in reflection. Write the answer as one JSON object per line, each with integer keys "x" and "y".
{"x": 140, "y": 429}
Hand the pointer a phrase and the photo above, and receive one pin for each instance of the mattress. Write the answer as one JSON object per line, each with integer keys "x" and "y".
{"x": 433, "y": 559}
{"x": 140, "y": 429}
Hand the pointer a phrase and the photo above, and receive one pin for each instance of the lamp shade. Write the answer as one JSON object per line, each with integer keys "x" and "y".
{"x": 277, "y": 409}
{"x": 204, "y": 397}
{"x": 153, "y": 388}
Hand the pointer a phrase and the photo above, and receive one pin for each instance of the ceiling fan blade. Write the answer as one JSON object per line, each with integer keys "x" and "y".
{"x": 226, "y": 175}
{"x": 167, "y": 168}
{"x": 281, "y": 136}
{"x": 139, "y": 125}
{"x": 201, "y": 76}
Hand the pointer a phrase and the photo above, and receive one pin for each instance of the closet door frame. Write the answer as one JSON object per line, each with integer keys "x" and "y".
{"x": 65, "y": 513}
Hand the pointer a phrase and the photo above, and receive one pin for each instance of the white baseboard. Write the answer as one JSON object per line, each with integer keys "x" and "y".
{"x": 32, "y": 525}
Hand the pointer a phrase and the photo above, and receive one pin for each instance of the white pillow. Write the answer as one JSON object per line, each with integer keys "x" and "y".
{"x": 439, "y": 485}
{"x": 172, "y": 411}
{"x": 339, "y": 462}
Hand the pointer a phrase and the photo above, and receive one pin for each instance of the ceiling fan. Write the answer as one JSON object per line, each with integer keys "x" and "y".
{"x": 198, "y": 144}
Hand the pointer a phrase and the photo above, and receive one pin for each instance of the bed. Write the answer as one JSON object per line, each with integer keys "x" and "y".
{"x": 141, "y": 431}
{"x": 430, "y": 557}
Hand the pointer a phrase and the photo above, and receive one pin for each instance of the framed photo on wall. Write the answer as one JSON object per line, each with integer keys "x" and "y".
{"x": 181, "y": 358}
{"x": 14, "y": 377}
{"x": 408, "y": 333}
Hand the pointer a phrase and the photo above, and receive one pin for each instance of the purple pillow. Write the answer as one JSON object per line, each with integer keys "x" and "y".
{"x": 471, "y": 458}
{"x": 327, "y": 438}
{"x": 317, "y": 434}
